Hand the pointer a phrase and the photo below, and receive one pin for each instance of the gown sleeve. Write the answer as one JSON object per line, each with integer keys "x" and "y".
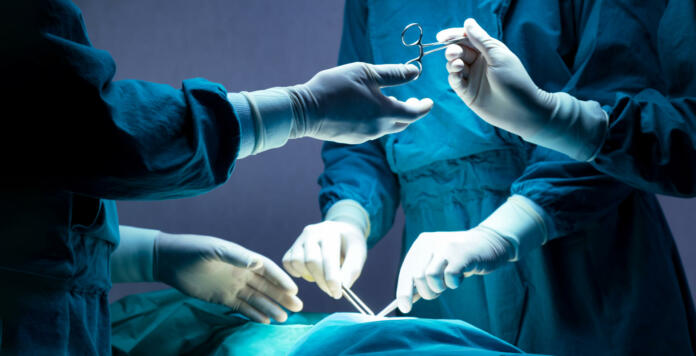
{"x": 69, "y": 125}
{"x": 359, "y": 172}
{"x": 652, "y": 139}
{"x": 611, "y": 56}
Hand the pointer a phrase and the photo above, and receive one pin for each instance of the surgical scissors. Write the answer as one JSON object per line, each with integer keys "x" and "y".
{"x": 421, "y": 46}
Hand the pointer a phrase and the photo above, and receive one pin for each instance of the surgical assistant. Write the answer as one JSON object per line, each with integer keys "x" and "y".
{"x": 76, "y": 140}
{"x": 644, "y": 133}
{"x": 559, "y": 258}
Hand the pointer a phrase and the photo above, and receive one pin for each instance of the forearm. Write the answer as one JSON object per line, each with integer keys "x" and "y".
{"x": 133, "y": 259}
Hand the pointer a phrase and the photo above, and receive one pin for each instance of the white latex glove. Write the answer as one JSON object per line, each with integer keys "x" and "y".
{"x": 318, "y": 252}
{"x": 223, "y": 272}
{"x": 345, "y": 104}
{"x": 342, "y": 104}
{"x": 440, "y": 260}
{"x": 492, "y": 81}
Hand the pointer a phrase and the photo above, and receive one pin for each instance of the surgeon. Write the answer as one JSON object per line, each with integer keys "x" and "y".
{"x": 72, "y": 139}
{"x": 526, "y": 243}
{"x": 645, "y": 138}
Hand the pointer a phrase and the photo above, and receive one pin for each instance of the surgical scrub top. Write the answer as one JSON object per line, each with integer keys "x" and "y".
{"x": 609, "y": 281}
{"x": 71, "y": 140}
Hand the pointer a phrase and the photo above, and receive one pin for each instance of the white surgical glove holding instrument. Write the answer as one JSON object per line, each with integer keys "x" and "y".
{"x": 317, "y": 253}
{"x": 342, "y": 104}
{"x": 207, "y": 268}
{"x": 440, "y": 260}
{"x": 492, "y": 81}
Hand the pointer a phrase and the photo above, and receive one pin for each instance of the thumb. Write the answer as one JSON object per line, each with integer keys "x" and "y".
{"x": 404, "y": 292}
{"x": 480, "y": 39}
{"x": 394, "y": 74}
{"x": 353, "y": 264}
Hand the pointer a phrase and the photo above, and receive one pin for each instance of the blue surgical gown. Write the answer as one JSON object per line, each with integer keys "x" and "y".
{"x": 610, "y": 280}
{"x": 652, "y": 138}
{"x": 71, "y": 139}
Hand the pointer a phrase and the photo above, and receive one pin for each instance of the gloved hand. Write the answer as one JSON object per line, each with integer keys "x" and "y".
{"x": 440, "y": 260}
{"x": 344, "y": 104}
{"x": 317, "y": 253}
{"x": 223, "y": 272}
{"x": 492, "y": 81}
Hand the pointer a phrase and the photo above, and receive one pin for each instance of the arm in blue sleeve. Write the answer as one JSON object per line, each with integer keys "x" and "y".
{"x": 644, "y": 72}
{"x": 80, "y": 131}
{"x": 652, "y": 143}
{"x": 571, "y": 193}
{"x": 359, "y": 172}
{"x": 616, "y": 56}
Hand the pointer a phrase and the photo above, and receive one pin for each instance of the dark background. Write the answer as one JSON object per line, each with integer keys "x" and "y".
{"x": 249, "y": 45}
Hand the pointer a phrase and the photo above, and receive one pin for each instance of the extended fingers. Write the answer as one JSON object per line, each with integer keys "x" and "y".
{"x": 263, "y": 304}
{"x": 277, "y": 294}
{"x": 274, "y": 274}
{"x": 251, "y": 312}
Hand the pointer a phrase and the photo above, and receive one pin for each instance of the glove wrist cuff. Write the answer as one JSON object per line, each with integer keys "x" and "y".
{"x": 518, "y": 223}
{"x": 273, "y": 114}
{"x": 133, "y": 259}
{"x": 302, "y": 99}
{"x": 350, "y": 211}
{"x": 576, "y": 128}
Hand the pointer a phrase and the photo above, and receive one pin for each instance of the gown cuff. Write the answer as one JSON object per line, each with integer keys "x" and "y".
{"x": 132, "y": 261}
{"x": 521, "y": 222}
{"x": 576, "y": 128}
{"x": 350, "y": 211}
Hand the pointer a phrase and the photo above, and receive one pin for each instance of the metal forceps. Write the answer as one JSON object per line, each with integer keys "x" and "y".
{"x": 357, "y": 303}
{"x": 422, "y": 46}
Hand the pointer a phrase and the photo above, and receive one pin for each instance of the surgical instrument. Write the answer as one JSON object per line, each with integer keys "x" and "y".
{"x": 392, "y": 306}
{"x": 421, "y": 46}
{"x": 357, "y": 302}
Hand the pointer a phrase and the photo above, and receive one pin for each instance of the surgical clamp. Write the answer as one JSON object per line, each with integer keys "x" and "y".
{"x": 421, "y": 46}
